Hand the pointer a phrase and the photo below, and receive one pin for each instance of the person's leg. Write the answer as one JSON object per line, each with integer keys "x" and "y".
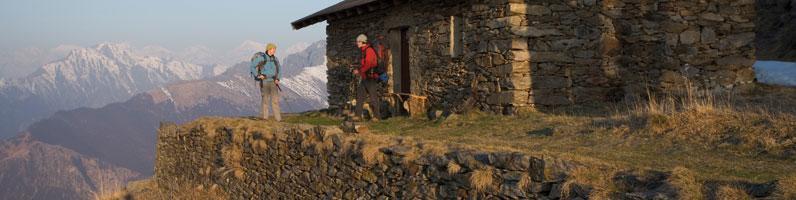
{"x": 263, "y": 103}
{"x": 360, "y": 99}
{"x": 275, "y": 102}
{"x": 373, "y": 92}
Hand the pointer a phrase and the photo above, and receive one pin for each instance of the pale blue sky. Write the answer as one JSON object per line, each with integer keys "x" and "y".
{"x": 174, "y": 24}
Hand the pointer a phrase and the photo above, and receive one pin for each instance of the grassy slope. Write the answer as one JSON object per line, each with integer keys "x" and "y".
{"x": 751, "y": 139}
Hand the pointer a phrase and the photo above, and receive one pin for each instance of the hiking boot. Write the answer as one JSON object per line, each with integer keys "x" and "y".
{"x": 375, "y": 119}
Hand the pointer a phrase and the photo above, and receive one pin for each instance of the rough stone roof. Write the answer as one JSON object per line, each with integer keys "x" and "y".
{"x": 343, "y": 9}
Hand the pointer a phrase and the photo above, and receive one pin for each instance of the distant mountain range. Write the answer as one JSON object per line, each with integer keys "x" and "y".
{"x": 21, "y": 62}
{"x": 205, "y": 56}
{"x": 122, "y": 135}
{"x": 87, "y": 77}
{"x": 31, "y": 169}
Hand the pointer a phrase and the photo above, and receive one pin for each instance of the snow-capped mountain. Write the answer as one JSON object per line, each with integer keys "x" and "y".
{"x": 298, "y": 47}
{"x": 87, "y": 77}
{"x": 155, "y": 51}
{"x": 311, "y": 55}
{"x": 243, "y": 52}
{"x": 303, "y": 84}
{"x": 202, "y": 55}
{"x": 123, "y": 133}
{"x": 106, "y": 73}
{"x": 21, "y": 62}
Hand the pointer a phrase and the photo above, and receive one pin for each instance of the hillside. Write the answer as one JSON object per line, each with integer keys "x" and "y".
{"x": 30, "y": 164}
{"x": 678, "y": 147}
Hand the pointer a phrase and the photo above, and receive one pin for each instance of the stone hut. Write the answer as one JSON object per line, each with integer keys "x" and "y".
{"x": 505, "y": 55}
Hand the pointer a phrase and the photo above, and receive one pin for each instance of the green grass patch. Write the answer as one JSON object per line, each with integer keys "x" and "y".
{"x": 317, "y": 119}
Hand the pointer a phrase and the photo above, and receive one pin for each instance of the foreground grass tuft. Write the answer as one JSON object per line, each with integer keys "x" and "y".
{"x": 786, "y": 188}
{"x": 599, "y": 180}
{"x": 150, "y": 190}
{"x": 482, "y": 179}
{"x": 728, "y": 192}
{"x": 685, "y": 181}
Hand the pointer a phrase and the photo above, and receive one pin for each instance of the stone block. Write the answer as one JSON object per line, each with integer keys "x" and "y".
{"x": 530, "y": 31}
{"x": 550, "y": 82}
{"x": 689, "y": 37}
{"x": 550, "y": 57}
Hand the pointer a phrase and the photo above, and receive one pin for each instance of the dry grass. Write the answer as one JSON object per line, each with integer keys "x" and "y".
{"x": 786, "y": 187}
{"x": 599, "y": 180}
{"x": 525, "y": 182}
{"x": 453, "y": 168}
{"x": 150, "y": 190}
{"x": 325, "y": 145}
{"x": 434, "y": 148}
{"x": 371, "y": 153}
{"x": 259, "y": 145}
{"x": 686, "y": 183}
{"x": 482, "y": 179}
{"x": 728, "y": 192}
{"x": 233, "y": 155}
{"x": 717, "y": 119}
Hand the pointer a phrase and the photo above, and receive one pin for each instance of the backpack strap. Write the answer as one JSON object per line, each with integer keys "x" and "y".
{"x": 267, "y": 58}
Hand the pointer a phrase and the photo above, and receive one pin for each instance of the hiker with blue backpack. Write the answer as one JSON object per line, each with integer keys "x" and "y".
{"x": 265, "y": 70}
{"x": 370, "y": 73}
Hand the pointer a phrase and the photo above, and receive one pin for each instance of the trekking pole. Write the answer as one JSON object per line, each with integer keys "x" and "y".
{"x": 352, "y": 85}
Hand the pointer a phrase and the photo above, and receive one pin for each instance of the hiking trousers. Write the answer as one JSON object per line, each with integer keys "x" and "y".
{"x": 270, "y": 92}
{"x": 369, "y": 87}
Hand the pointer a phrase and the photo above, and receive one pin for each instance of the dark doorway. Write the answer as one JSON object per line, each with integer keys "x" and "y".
{"x": 405, "y": 73}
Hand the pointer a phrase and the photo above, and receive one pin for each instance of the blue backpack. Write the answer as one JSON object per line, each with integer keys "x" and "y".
{"x": 259, "y": 66}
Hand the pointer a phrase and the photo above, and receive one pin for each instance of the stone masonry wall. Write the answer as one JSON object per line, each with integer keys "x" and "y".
{"x": 526, "y": 53}
{"x": 588, "y": 50}
{"x": 254, "y": 160}
{"x": 435, "y": 73}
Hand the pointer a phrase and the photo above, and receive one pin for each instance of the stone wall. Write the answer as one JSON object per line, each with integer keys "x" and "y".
{"x": 526, "y": 53}
{"x": 269, "y": 161}
{"x": 252, "y": 159}
{"x": 588, "y": 50}
{"x": 445, "y": 80}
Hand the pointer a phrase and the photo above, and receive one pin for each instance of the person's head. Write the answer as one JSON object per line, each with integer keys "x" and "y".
{"x": 362, "y": 40}
{"x": 270, "y": 49}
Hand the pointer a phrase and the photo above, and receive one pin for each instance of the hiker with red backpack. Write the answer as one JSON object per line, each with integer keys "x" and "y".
{"x": 369, "y": 75}
{"x": 265, "y": 70}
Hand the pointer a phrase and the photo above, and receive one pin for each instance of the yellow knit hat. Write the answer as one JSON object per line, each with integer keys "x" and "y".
{"x": 270, "y": 46}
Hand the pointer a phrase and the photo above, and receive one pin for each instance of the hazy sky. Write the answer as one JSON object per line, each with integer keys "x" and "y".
{"x": 174, "y": 24}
